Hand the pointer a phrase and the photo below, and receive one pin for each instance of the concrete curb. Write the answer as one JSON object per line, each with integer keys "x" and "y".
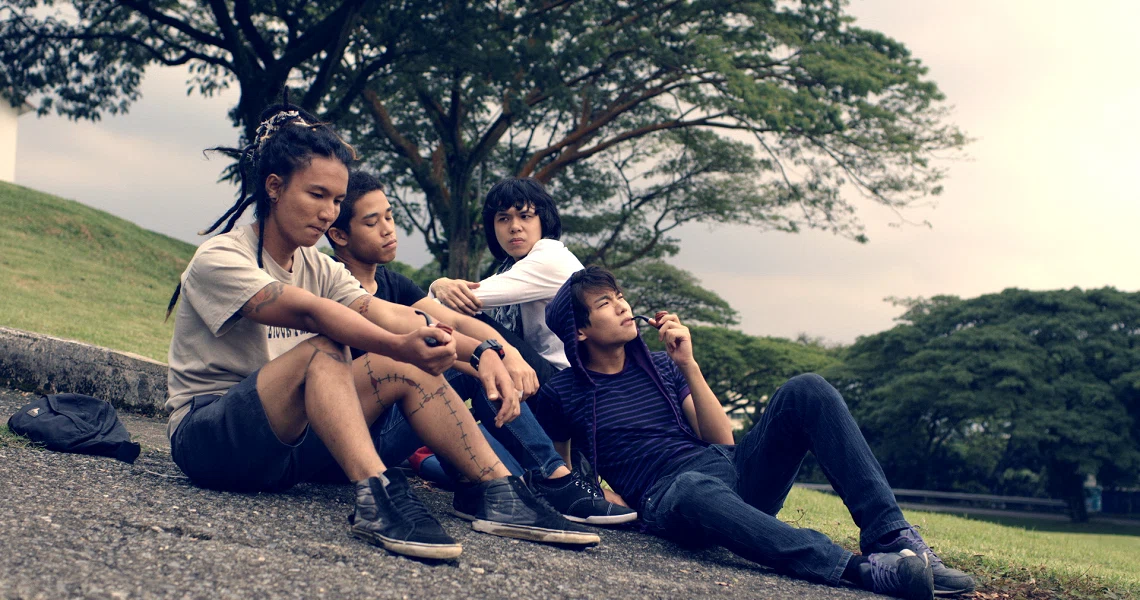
{"x": 49, "y": 365}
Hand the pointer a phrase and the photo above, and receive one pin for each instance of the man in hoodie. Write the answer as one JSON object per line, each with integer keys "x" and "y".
{"x": 657, "y": 433}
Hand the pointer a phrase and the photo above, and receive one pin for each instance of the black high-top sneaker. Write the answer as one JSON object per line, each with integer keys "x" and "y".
{"x": 506, "y": 507}
{"x": 389, "y": 514}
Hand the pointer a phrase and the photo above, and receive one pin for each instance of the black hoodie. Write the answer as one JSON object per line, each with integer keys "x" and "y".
{"x": 633, "y": 456}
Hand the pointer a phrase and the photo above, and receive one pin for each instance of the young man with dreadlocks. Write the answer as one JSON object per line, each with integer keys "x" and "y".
{"x": 655, "y": 430}
{"x": 263, "y": 394}
{"x": 364, "y": 240}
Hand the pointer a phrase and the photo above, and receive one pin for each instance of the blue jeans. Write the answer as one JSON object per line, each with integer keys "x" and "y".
{"x": 730, "y": 495}
{"x": 523, "y": 438}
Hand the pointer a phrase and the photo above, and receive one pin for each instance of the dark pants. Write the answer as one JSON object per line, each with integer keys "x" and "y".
{"x": 730, "y": 495}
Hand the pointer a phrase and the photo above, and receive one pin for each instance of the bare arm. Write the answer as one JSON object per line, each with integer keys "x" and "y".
{"x": 494, "y": 375}
{"x": 522, "y": 375}
{"x": 701, "y": 407}
{"x": 289, "y": 306}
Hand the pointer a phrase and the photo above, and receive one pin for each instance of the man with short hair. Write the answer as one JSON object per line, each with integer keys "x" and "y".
{"x": 658, "y": 434}
{"x": 364, "y": 240}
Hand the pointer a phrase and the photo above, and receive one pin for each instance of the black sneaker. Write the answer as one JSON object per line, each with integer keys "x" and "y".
{"x": 901, "y": 574}
{"x": 393, "y": 517}
{"x": 579, "y": 497}
{"x": 947, "y": 581}
{"x": 506, "y": 507}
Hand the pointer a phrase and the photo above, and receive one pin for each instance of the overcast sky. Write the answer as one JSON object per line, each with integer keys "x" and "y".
{"x": 1048, "y": 89}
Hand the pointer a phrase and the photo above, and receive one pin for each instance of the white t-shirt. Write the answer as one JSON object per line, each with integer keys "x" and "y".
{"x": 532, "y": 283}
{"x": 214, "y": 348}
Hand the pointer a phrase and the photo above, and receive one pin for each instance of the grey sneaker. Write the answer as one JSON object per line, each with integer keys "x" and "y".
{"x": 393, "y": 517}
{"x": 506, "y": 507}
{"x": 900, "y": 574}
{"x": 947, "y": 581}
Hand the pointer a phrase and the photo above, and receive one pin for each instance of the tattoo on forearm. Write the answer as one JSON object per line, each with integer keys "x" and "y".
{"x": 422, "y": 398}
{"x": 266, "y": 296}
{"x": 317, "y": 349}
{"x": 363, "y": 308}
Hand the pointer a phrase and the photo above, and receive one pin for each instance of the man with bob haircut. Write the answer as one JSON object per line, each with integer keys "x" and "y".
{"x": 658, "y": 434}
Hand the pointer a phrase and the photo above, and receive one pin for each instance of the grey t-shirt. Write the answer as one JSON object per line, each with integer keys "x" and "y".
{"x": 213, "y": 347}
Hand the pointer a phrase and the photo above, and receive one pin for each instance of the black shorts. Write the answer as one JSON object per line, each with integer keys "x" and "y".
{"x": 225, "y": 442}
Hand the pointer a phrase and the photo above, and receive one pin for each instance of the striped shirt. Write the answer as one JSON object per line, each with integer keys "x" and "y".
{"x": 641, "y": 433}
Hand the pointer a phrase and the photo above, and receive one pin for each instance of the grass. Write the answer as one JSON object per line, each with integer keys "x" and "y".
{"x": 76, "y": 272}
{"x": 1011, "y": 558}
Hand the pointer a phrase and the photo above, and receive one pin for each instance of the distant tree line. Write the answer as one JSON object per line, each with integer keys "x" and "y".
{"x": 1018, "y": 393}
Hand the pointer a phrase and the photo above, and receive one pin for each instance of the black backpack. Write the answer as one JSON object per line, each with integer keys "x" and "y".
{"x": 75, "y": 423}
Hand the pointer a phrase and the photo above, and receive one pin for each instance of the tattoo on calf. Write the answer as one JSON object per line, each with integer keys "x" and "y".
{"x": 264, "y": 297}
{"x": 424, "y": 398}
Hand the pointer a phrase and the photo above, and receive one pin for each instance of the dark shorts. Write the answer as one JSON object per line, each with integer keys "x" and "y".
{"x": 225, "y": 442}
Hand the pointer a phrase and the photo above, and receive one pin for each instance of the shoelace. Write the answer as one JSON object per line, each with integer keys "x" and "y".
{"x": 920, "y": 545}
{"x": 884, "y": 576}
{"x": 589, "y": 486}
{"x": 412, "y": 508}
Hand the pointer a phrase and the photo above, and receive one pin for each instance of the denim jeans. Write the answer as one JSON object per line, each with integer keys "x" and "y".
{"x": 730, "y": 495}
{"x": 523, "y": 438}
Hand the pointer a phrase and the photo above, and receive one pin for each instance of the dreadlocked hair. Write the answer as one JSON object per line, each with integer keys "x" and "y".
{"x": 286, "y": 140}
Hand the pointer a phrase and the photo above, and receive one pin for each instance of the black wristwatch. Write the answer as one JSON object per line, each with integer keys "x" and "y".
{"x": 485, "y": 346}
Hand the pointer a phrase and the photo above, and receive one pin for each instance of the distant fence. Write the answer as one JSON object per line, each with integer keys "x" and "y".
{"x": 1114, "y": 502}
{"x": 975, "y": 502}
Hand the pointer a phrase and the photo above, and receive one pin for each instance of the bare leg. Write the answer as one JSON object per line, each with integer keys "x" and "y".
{"x": 312, "y": 385}
{"x": 433, "y": 409}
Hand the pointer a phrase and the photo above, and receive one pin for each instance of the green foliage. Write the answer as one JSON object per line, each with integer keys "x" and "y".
{"x": 744, "y": 370}
{"x": 624, "y": 109}
{"x": 1019, "y": 392}
{"x": 654, "y": 285}
{"x": 76, "y": 272}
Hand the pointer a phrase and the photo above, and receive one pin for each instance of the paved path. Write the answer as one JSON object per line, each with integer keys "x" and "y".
{"x": 80, "y": 526}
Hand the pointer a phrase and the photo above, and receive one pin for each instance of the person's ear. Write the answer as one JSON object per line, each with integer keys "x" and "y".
{"x": 273, "y": 186}
{"x": 581, "y": 335}
{"x": 339, "y": 237}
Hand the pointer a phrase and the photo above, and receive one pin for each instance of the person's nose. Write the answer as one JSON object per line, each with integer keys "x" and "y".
{"x": 328, "y": 212}
{"x": 516, "y": 225}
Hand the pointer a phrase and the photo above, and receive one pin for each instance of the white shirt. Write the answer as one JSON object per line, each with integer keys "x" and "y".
{"x": 532, "y": 283}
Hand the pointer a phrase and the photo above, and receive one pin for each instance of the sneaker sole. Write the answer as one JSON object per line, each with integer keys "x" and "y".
{"x": 603, "y": 520}
{"x": 951, "y": 593}
{"x": 531, "y": 534}
{"x": 416, "y": 549}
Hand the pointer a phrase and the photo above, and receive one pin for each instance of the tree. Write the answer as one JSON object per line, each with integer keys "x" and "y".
{"x": 1004, "y": 391}
{"x": 641, "y": 116}
{"x": 744, "y": 371}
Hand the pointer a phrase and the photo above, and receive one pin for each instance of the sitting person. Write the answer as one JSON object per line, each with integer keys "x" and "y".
{"x": 364, "y": 239}
{"x": 655, "y": 430}
{"x": 263, "y": 394}
{"x": 526, "y": 228}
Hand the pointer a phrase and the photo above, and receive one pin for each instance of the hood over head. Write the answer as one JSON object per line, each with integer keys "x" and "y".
{"x": 560, "y": 320}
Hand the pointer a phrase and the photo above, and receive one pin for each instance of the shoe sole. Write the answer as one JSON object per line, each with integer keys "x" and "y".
{"x": 951, "y": 593}
{"x": 603, "y": 520}
{"x": 529, "y": 533}
{"x": 416, "y": 549}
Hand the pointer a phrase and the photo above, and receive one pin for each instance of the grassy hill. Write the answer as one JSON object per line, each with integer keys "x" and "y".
{"x": 76, "y": 272}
